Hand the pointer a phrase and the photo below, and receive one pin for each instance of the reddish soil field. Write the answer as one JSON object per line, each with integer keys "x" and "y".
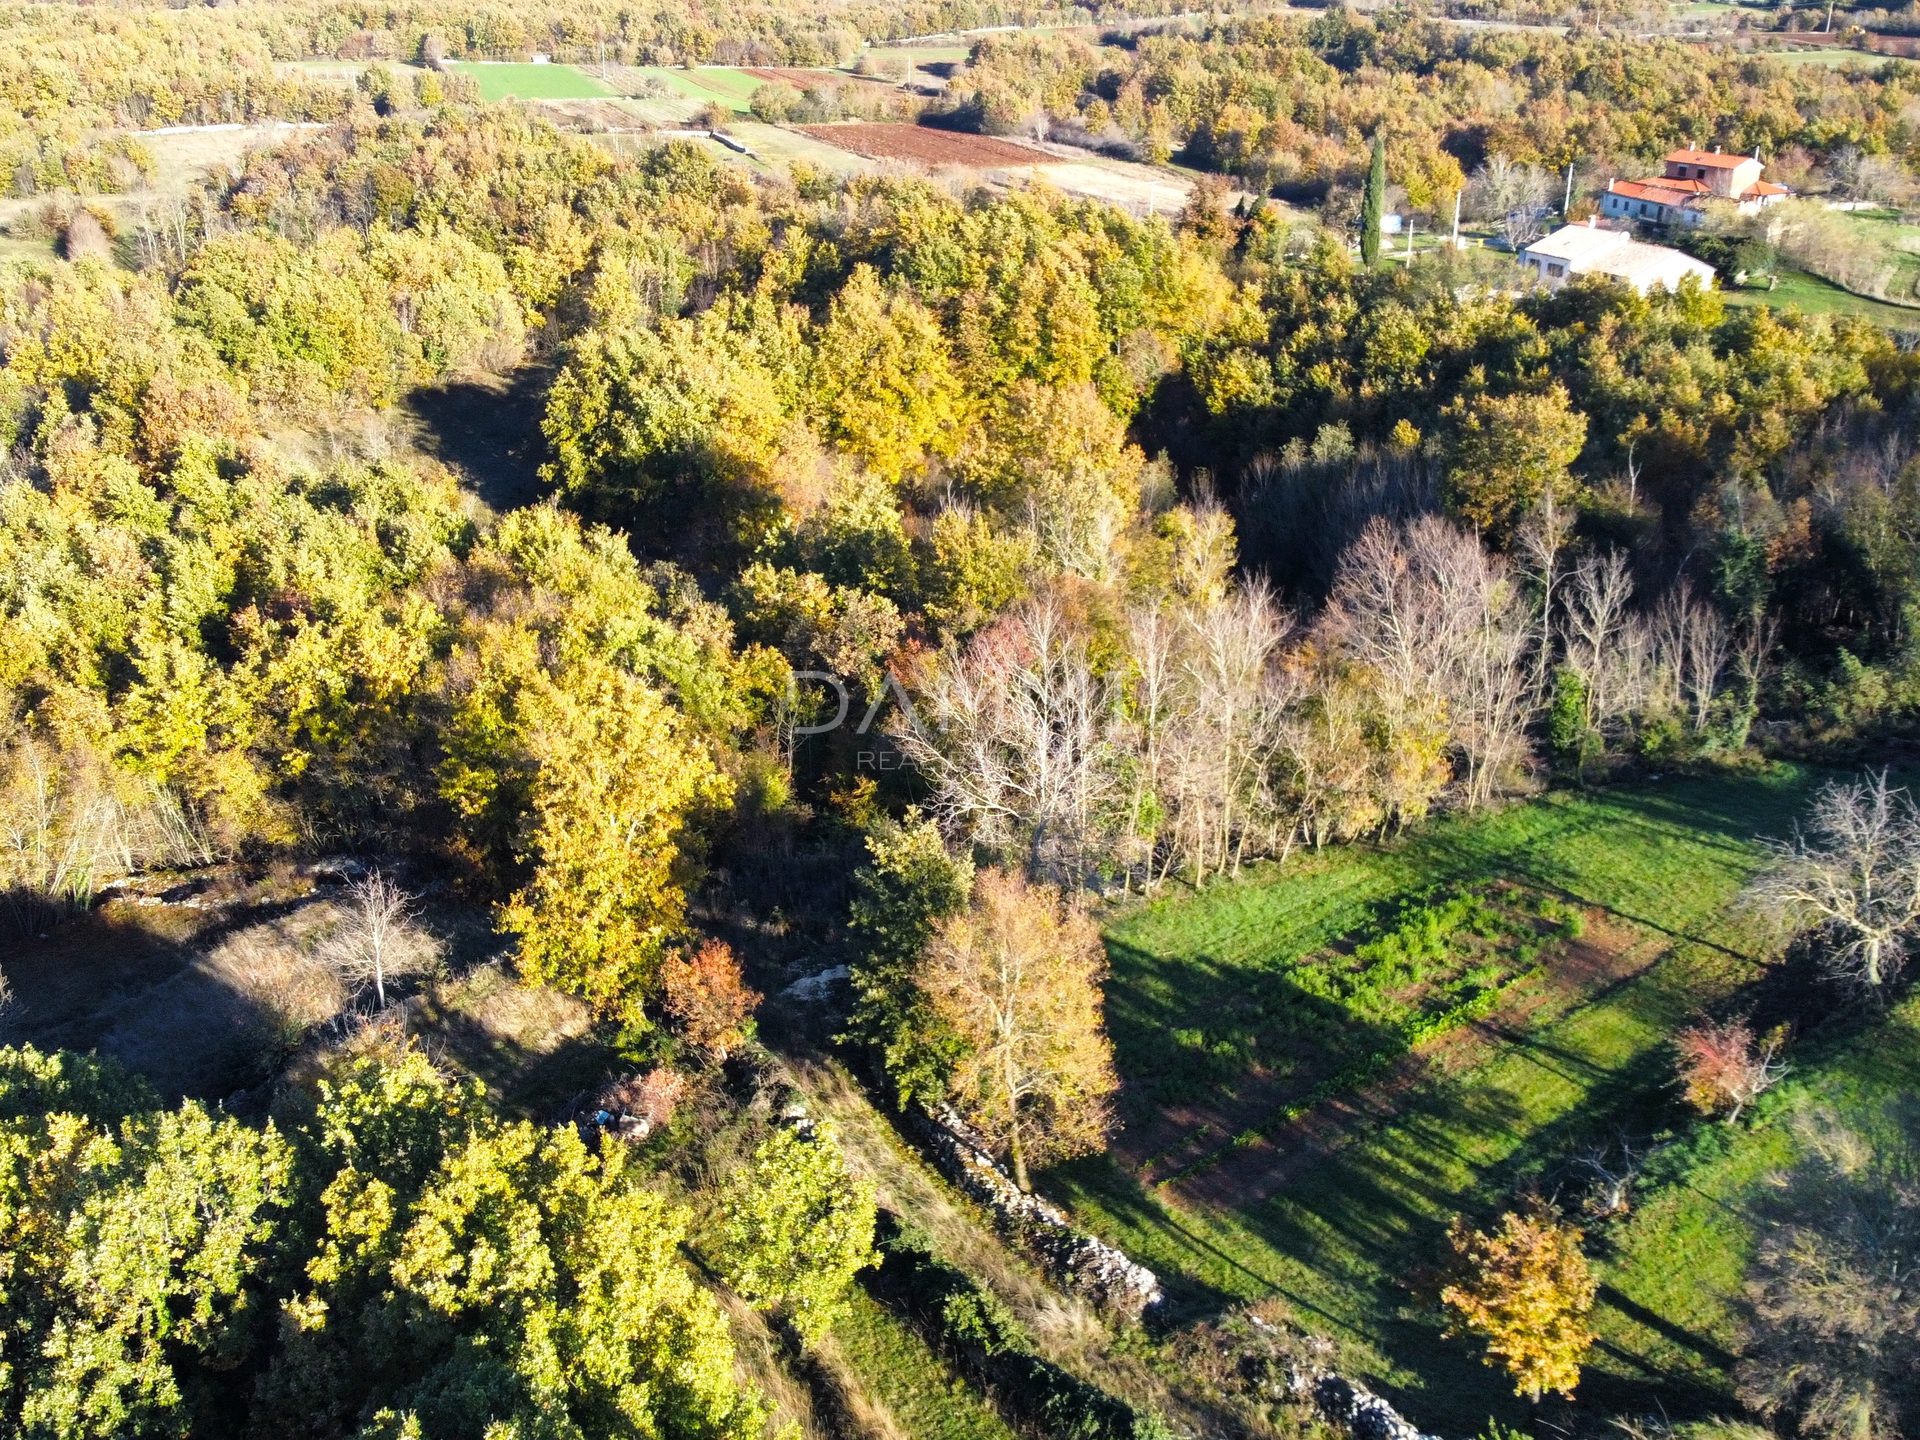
{"x": 812, "y": 79}
{"x": 929, "y": 147}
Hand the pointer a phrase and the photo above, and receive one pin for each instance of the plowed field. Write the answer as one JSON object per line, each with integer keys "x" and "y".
{"x": 929, "y": 147}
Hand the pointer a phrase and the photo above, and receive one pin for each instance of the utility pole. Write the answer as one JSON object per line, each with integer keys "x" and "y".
{"x": 1567, "y": 204}
{"x": 1409, "y": 237}
{"x": 1456, "y": 220}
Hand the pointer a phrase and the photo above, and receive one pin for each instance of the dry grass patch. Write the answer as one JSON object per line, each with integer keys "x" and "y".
{"x": 235, "y": 1011}
{"x": 533, "y": 1048}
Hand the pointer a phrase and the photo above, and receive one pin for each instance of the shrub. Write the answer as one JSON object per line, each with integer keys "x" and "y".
{"x": 1723, "y": 1068}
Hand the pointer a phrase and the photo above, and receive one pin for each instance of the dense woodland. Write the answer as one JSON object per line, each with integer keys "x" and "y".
{"x": 1293, "y": 102}
{"x": 1153, "y": 548}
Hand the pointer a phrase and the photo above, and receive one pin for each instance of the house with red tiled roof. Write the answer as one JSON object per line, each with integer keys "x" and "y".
{"x": 1691, "y": 178}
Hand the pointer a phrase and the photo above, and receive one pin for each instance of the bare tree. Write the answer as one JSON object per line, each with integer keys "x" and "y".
{"x": 379, "y": 937}
{"x": 1444, "y": 631}
{"x": 1513, "y": 194}
{"x": 1020, "y": 739}
{"x": 1692, "y": 646}
{"x": 1542, "y": 539}
{"x": 1230, "y": 727}
{"x": 1614, "y": 1169}
{"x": 1832, "y": 1331}
{"x": 1595, "y": 625}
{"x": 1153, "y": 709}
{"x": 1852, "y": 877}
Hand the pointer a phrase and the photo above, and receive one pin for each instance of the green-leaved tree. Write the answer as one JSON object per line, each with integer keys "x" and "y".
{"x": 1373, "y": 207}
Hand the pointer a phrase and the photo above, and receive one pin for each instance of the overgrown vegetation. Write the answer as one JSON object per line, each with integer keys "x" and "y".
{"x": 897, "y": 582}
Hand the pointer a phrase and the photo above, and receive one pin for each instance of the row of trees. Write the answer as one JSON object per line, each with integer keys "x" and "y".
{"x": 1189, "y": 734}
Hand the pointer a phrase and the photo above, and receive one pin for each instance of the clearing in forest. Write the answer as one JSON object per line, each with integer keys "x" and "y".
{"x": 533, "y": 82}
{"x": 1207, "y": 1007}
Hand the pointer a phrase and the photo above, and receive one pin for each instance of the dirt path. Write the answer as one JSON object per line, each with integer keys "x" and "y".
{"x": 1607, "y": 954}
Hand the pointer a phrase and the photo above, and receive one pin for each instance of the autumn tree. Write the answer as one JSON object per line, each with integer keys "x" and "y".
{"x": 1017, "y": 977}
{"x": 882, "y": 376}
{"x": 1509, "y": 451}
{"x": 1831, "y": 1323}
{"x": 551, "y": 1275}
{"x": 1055, "y": 460}
{"x": 1723, "y": 1067}
{"x": 590, "y": 776}
{"x": 709, "y": 1000}
{"x": 1525, "y": 1290}
{"x": 636, "y": 411}
{"x": 795, "y": 1227}
{"x": 133, "y": 1239}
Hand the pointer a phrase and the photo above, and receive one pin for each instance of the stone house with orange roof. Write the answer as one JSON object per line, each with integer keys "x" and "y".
{"x": 1691, "y": 178}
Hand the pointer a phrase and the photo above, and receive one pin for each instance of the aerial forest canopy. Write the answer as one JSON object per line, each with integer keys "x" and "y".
{"x": 450, "y": 545}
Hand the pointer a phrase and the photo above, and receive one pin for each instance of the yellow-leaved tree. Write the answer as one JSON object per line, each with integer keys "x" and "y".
{"x": 1526, "y": 1290}
{"x": 883, "y": 378}
{"x": 1510, "y": 451}
{"x": 1017, "y": 979}
{"x": 586, "y": 776}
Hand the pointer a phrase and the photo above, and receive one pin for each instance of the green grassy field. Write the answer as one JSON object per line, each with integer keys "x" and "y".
{"x": 1820, "y": 297}
{"x": 1674, "y": 1268}
{"x": 732, "y": 88}
{"x": 1340, "y": 1237}
{"x": 919, "y": 1389}
{"x": 534, "y": 82}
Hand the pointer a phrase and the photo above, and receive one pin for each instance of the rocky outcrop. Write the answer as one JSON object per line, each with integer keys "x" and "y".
{"x": 1359, "y": 1411}
{"x": 1077, "y": 1261}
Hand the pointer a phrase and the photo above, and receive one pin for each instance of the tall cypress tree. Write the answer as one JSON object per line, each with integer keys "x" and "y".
{"x": 1374, "y": 206}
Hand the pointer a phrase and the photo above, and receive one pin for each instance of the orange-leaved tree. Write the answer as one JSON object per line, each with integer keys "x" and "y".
{"x": 1017, "y": 978}
{"x": 708, "y": 998}
{"x": 1526, "y": 1290}
{"x": 1724, "y": 1067}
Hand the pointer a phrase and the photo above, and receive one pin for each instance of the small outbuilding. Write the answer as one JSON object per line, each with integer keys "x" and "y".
{"x": 1588, "y": 250}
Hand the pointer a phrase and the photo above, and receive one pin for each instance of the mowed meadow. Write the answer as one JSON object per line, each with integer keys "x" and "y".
{"x": 1337, "y": 1215}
